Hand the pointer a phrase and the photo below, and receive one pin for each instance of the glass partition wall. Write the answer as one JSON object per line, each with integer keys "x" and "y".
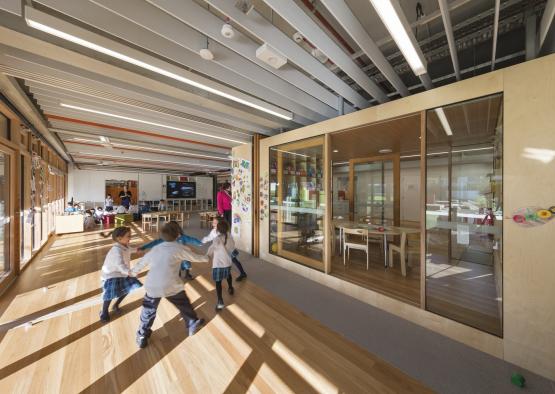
{"x": 297, "y": 202}
{"x": 375, "y": 219}
{"x": 464, "y": 211}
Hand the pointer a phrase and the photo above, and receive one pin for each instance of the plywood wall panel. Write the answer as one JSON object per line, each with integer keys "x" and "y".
{"x": 529, "y": 175}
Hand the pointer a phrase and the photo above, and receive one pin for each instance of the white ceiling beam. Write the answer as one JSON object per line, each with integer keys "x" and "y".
{"x": 343, "y": 14}
{"x": 180, "y": 44}
{"x": 150, "y": 131}
{"x": 297, "y": 18}
{"x": 205, "y": 24}
{"x": 41, "y": 92}
{"x": 13, "y": 92}
{"x": 410, "y": 48}
{"x": 66, "y": 134}
{"x": 546, "y": 22}
{"x": 155, "y": 158}
{"x": 453, "y": 5}
{"x": 256, "y": 25}
{"x": 152, "y": 64}
{"x": 445, "y": 15}
{"x": 38, "y": 60}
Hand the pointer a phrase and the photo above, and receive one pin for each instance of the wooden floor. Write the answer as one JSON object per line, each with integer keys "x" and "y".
{"x": 257, "y": 344}
{"x": 388, "y": 281}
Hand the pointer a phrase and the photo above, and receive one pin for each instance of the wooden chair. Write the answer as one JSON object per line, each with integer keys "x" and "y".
{"x": 355, "y": 238}
{"x": 155, "y": 221}
{"x": 146, "y": 221}
{"x": 404, "y": 251}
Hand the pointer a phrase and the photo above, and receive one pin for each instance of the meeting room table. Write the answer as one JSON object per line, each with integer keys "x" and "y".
{"x": 373, "y": 229}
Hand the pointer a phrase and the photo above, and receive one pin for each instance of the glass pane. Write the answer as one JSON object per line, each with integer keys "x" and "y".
{"x": 374, "y": 196}
{"x": 464, "y": 213}
{"x": 297, "y": 201}
{"x": 4, "y": 213}
{"x": 4, "y": 127}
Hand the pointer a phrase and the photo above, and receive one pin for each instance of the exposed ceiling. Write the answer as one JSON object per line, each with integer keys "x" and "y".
{"x": 121, "y": 85}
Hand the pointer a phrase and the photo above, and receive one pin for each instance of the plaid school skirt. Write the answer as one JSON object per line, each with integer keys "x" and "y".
{"x": 118, "y": 287}
{"x": 219, "y": 274}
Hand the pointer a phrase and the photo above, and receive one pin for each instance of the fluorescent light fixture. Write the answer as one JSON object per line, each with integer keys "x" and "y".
{"x": 453, "y": 151}
{"x": 385, "y": 150}
{"x": 144, "y": 159}
{"x": 104, "y": 139}
{"x": 290, "y": 153}
{"x": 443, "y": 119}
{"x": 146, "y": 122}
{"x": 335, "y": 151}
{"x": 95, "y": 47}
{"x": 119, "y": 145}
{"x": 393, "y": 18}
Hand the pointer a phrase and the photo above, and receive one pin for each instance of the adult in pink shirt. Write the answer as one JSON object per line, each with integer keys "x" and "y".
{"x": 223, "y": 202}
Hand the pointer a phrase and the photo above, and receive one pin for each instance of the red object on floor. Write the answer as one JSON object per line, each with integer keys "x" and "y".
{"x": 107, "y": 220}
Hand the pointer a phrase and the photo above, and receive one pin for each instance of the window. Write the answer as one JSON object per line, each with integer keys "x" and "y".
{"x": 297, "y": 201}
{"x": 4, "y": 127}
{"x": 4, "y": 214}
{"x": 464, "y": 212}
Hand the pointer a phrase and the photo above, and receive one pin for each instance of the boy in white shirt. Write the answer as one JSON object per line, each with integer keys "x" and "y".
{"x": 163, "y": 281}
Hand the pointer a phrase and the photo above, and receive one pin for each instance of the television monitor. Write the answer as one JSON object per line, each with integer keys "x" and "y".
{"x": 181, "y": 189}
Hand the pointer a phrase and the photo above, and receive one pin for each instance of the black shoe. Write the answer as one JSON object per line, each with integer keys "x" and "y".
{"x": 142, "y": 340}
{"x": 241, "y": 277}
{"x": 231, "y": 290}
{"x": 189, "y": 276}
{"x": 195, "y": 325}
{"x": 116, "y": 308}
{"x": 105, "y": 317}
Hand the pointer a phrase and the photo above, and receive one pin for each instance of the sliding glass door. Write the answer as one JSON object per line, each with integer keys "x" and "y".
{"x": 464, "y": 212}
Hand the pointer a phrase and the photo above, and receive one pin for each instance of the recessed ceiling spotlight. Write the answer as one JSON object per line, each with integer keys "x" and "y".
{"x": 227, "y": 31}
{"x": 206, "y": 54}
{"x": 386, "y": 150}
{"x": 335, "y": 151}
{"x": 298, "y": 37}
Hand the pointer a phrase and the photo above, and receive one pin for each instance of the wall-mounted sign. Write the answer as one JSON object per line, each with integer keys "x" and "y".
{"x": 533, "y": 216}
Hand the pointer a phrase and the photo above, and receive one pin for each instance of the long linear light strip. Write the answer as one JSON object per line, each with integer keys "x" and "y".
{"x": 445, "y": 153}
{"x": 443, "y": 120}
{"x": 94, "y": 111}
{"x": 291, "y": 153}
{"x": 143, "y": 159}
{"x": 392, "y": 21}
{"x": 120, "y": 145}
{"x": 69, "y": 37}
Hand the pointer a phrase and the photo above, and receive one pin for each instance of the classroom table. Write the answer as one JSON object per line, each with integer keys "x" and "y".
{"x": 373, "y": 230}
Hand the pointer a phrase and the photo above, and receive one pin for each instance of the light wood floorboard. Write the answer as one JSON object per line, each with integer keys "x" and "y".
{"x": 259, "y": 343}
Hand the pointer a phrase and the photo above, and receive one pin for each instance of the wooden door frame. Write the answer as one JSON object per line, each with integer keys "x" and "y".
{"x": 396, "y": 159}
{"x": 13, "y": 235}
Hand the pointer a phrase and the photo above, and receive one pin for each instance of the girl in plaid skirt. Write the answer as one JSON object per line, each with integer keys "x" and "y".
{"x": 116, "y": 282}
{"x": 220, "y": 251}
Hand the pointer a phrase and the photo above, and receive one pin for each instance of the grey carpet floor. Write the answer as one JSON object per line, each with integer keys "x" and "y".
{"x": 441, "y": 363}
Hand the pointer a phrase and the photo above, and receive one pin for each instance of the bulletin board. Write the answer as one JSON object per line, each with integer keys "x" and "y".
{"x": 241, "y": 193}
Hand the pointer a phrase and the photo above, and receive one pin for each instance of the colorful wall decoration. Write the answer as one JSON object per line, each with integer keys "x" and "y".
{"x": 264, "y": 196}
{"x": 533, "y": 216}
{"x": 241, "y": 193}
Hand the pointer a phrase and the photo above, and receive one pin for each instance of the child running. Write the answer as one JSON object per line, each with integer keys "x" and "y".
{"x": 219, "y": 251}
{"x": 213, "y": 234}
{"x": 182, "y": 239}
{"x": 116, "y": 280}
{"x": 163, "y": 281}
